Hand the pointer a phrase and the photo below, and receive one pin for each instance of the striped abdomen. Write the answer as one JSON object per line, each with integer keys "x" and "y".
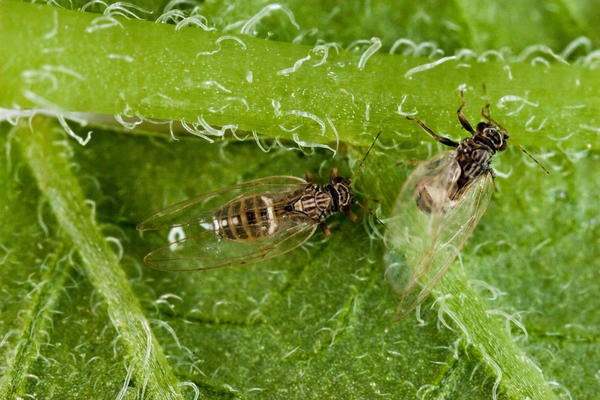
{"x": 249, "y": 218}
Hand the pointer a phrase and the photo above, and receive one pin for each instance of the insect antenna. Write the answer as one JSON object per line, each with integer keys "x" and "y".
{"x": 355, "y": 171}
{"x": 357, "y": 168}
{"x": 528, "y": 154}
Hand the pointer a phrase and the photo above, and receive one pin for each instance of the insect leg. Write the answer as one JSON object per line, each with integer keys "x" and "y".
{"x": 485, "y": 113}
{"x": 461, "y": 117}
{"x": 333, "y": 174}
{"x": 441, "y": 139}
{"x": 350, "y": 215}
{"x": 325, "y": 229}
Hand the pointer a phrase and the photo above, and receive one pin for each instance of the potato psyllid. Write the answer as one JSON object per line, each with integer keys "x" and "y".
{"x": 438, "y": 208}
{"x": 246, "y": 223}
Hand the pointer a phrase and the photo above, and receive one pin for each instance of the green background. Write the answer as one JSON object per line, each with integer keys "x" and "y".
{"x": 81, "y": 317}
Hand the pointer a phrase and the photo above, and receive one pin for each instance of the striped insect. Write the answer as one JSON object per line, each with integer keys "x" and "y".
{"x": 247, "y": 223}
{"x": 452, "y": 191}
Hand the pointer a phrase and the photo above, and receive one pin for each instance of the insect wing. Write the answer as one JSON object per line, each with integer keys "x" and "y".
{"x": 191, "y": 241}
{"x": 204, "y": 250}
{"x": 201, "y": 209}
{"x": 429, "y": 228}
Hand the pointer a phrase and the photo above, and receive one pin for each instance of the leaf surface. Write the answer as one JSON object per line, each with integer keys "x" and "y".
{"x": 83, "y": 318}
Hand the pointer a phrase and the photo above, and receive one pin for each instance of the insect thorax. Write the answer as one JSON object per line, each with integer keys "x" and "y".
{"x": 316, "y": 202}
{"x": 474, "y": 159}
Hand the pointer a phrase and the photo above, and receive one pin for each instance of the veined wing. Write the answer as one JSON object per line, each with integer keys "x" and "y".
{"x": 423, "y": 241}
{"x": 202, "y": 249}
{"x": 191, "y": 242}
{"x": 201, "y": 209}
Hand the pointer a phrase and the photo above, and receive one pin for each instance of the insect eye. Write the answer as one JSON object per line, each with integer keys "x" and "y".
{"x": 483, "y": 126}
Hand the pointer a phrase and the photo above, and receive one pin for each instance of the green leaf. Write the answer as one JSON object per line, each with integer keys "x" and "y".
{"x": 82, "y": 317}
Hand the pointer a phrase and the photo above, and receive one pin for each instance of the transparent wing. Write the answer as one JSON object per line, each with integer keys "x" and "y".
{"x": 192, "y": 244}
{"x": 203, "y": 249}
{"x": 200, "y": 209}
{"x": 431, "y": 223}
